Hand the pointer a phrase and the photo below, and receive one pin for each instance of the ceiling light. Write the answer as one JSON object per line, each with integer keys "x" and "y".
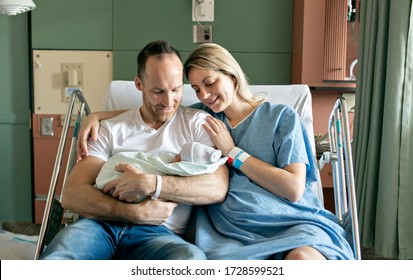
{"x": 15, "y": 7}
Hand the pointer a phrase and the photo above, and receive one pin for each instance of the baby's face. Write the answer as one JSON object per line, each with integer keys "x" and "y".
{"x": 178, "y": 158}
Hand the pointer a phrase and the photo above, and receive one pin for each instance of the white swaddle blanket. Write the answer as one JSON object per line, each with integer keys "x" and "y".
{"x": 162, "y": 164}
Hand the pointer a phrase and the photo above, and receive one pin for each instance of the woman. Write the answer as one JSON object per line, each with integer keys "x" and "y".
{"x": 270, "y": 211}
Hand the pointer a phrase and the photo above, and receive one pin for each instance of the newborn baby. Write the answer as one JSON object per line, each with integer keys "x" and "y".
{"x": 198, "y": 153}
{"x": 194, "y": 159}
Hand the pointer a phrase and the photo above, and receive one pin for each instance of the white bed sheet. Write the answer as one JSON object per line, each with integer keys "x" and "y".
{"x": 17, "y": 246}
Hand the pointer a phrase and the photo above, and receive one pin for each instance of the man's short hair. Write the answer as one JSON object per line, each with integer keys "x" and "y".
{"x": 155, "y": 48}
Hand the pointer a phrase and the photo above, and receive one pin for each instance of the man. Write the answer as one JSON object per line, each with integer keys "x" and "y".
{"x": 114, "y": 228}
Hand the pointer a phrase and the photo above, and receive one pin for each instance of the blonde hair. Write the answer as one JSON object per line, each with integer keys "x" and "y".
{"x": 210, "y": 56}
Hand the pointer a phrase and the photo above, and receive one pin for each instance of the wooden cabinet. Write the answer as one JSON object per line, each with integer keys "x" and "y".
{"x": 308, "y": 42}
{"x": 335, "y": 40}
{"x": 323, "y": 44}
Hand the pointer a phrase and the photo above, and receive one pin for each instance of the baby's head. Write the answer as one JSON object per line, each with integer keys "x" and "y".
{"x": 198, "y": 153}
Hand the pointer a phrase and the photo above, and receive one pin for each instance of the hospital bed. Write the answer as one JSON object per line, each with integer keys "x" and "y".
{"x": 124, "y": 95}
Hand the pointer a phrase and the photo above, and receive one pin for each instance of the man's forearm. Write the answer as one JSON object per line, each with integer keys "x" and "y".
{"x": 89, "y": 202}
{"x": 98, "y": 205}
{"x": 81, "y": 197}
{"x": 196, "y": 190}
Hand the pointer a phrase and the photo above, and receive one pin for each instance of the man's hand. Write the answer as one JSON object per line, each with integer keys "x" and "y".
{"x": 82, "y": 197}
{"x": 131, "y": 185}
{"x": 153, "y": 212}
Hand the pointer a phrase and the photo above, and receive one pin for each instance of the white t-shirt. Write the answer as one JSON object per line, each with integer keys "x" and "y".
{"x": 128, "y": 132}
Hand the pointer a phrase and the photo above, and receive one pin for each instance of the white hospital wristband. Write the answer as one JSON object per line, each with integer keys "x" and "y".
{"x": 236, "y": 157}
{"x": 240, "y": 159}
{"x": 233, "y": 154}
{"x": 158, "y": 187}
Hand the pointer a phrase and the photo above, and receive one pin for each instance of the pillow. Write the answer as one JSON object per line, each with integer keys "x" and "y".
{"x": 125, "y": 95}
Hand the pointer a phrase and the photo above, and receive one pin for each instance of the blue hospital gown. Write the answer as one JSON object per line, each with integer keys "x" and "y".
{"x": 253, "y": 223}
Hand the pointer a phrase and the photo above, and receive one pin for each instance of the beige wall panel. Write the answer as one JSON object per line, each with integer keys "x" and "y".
{"x": 50, "y": 78}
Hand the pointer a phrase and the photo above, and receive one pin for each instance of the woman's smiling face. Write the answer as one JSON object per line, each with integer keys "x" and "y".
{"x": 214, "y": 89}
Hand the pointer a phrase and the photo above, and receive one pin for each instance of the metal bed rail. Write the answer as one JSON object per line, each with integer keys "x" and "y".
{"x": 54, "y": 213}
{"x": 340, "y": 158}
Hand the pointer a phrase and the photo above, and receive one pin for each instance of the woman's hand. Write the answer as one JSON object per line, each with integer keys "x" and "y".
{"x": 88, "y": 129}
{"x": 219, "y": 134}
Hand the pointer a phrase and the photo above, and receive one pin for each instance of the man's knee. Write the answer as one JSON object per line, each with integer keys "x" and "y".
{"x": 186, "y": 252}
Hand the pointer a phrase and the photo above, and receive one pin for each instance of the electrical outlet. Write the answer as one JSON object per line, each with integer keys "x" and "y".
{"x": 202, "y": 34}
{"x": 202, "y": 10}
{"x": 46, "y": 126}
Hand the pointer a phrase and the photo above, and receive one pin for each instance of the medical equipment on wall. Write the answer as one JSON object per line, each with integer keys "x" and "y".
{"x": 352, "y": 10}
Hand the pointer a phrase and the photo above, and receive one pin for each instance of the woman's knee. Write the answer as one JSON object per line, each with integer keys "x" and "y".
{"x": 305, "y": 253}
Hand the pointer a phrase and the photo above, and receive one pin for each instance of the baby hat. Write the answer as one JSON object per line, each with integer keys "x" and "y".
{"x": 199, "y": 153}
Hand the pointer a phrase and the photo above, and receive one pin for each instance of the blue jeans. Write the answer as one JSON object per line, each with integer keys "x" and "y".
{"x": 89, "y": 239}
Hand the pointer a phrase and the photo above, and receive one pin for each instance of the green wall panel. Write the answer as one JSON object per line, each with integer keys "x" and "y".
{"x": 135, "y": 23}
{"x": 14, "y": 68}
{"x": 239, "y": 25}
{"x": 266, "y": 68}
{"x": 15, "y": 148}
{"x": 74, "y": 24}
{"x": 125, "y": 65}
{"x": 261, "y": 68}
{"x": 258, "y": 33}
{"x": 254, "y": 26}
{"x": 15, "y": 173}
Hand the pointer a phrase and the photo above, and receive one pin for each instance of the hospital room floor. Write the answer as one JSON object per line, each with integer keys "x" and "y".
{"x": 26, "y": 228}
{"x": 30, "y": 229}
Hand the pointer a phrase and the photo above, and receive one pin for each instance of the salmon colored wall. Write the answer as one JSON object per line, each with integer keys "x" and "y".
{"x": 323, "y": 102}
{"x": 45, "y": 151}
